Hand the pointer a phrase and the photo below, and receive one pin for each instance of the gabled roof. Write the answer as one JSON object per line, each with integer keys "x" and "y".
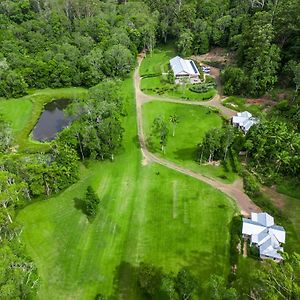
{"x": 182, "y": 66}
{"x": 250, "y": 227}
{"x": 263, "y": 218}
{"x": 244, "y": 120}
{"x": 278, "y": 232}
{"x": 265, "y": 234}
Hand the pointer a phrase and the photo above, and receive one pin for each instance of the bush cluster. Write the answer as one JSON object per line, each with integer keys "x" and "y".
{"x": 202, "y": 88}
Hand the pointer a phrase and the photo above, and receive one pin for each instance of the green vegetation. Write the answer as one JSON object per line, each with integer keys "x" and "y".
{"x": 239, "y": 104}
{"x": 157, "y": 86}
{"x": 156, "y": 63}
{"x": 194, "y": 122}
{"x": 289, "y": 186}
{"x": 154, "y": 69}
{"x": 23, "y": 113}
{"x": 138, "y": 221}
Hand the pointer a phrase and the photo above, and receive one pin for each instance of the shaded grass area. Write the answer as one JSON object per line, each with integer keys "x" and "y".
{"x": 184, "y": 224}
{"x": 23, "y": 113}
{"x": 157, "y": 62}
{"x": 239, "y": 104}
{"x": 194, "y": 121}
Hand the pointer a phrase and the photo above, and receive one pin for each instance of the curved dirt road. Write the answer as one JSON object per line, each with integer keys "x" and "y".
{"x": 234, "y": 191}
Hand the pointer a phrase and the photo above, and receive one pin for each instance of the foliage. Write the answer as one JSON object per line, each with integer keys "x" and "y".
{"x": 174, "y": 120}
{"x": 18, "y": 273}
{"x": 274, "y": 147}
{"x": 195, "y": 121}
{"x": 202, "y": 88}
{"x": 235, "y": 239}
{"x": 160, "y": 131}
{"x": 5, "y": 135}
{"x": 234, "y": 81}
{"x": 69, "y": 44}
{"x": 251, "y": 184}
{"x": 278, "y": 281}
{"x": 97, "y": 132}
{"x": 149, "y": 278}
{"x": 185, "y": 284}
{"x": 217, "y": 289}
{"x": 216, "y": 144}
{"x": 89, "y": 203}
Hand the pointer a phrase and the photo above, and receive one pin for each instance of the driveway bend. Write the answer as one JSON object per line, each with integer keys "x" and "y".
{"x": 234, "y": 190}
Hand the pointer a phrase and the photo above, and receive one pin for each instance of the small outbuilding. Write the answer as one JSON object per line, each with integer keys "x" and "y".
{"x": 244, "y": 120}
{"x": 262, "y": 232}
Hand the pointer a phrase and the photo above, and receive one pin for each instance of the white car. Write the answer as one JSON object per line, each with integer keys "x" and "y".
{"x": 206, "y": 69}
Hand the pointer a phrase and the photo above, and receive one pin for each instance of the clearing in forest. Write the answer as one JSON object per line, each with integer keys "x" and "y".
{"x": 77, "y": 259}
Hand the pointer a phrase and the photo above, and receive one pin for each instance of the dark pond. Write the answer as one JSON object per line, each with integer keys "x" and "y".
{"x": 51, "y": 121}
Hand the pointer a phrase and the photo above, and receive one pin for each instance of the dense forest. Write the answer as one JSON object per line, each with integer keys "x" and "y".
{"x": 94, "y": 44}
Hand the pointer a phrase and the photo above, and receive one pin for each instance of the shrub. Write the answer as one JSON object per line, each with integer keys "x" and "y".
{"x": 251, "y": 184}
{"x": 202, "y": 88}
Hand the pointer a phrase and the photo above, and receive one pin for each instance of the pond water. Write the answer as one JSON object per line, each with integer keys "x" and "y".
{"x": 52, "y": 120}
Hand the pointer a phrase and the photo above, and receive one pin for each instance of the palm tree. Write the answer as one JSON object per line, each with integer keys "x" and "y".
{"x": 174, "y": 120}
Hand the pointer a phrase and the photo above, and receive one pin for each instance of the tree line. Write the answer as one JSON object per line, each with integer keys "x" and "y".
{"x": 263, "y": 34}
{"x": 69, "y": 43}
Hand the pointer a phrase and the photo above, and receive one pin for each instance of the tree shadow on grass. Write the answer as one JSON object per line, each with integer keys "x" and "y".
{"x": 79, "y": 204}
{"x": 125, "y": 283}
{"x": 185, "y": 154}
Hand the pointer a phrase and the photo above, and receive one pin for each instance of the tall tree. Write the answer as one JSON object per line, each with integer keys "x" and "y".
{"x": 174, "y": 120}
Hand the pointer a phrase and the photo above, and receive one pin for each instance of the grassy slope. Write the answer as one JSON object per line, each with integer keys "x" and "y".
{"x": 194, "y": 121}
{"x": 239, "y": 104}
{"x": 23, "y": 113}
{"x": 183, "y": 224}
{"x": 156, "y": 64}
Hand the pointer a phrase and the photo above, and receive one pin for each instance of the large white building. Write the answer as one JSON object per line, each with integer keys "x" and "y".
{"x": 262, "y": 232}
{"x": 244, "y": 120}
{"x": 183, "y": 68}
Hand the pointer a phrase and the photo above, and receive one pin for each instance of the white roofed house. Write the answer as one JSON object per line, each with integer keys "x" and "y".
{"x": 244, "y": 120}
{"x": 265, "y": 235}
{"x": 184, "y": 68}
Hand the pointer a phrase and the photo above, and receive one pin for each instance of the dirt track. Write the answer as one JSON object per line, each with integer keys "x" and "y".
{"x": 235, "y": 190}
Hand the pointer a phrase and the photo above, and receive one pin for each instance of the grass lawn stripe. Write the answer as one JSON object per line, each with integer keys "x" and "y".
{"x": 77, "y": 260}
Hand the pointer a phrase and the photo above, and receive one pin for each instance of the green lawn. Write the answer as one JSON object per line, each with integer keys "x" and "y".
{"x": 183, "y": 224}
{"x": 152, "y": 68}
{"x": 239, "y": 104}
{"x": 157, "y": 62}
{"x": 23, "y": 113}
{"x": 155, "y": 86}
{"x": 194, "y": 121}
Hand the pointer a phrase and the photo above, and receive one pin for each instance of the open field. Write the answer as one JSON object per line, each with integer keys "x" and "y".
{"x": 23, "y": 113}
{"x": 194, "y": 121}
{"x": 152, "y": 68}
{"x": 183, "y": 224}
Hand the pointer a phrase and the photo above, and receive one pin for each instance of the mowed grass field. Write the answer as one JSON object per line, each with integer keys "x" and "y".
{"x": 157, "y": 62}
{"x": 194, "y": 121}
{"x": 23, "y": 113}
{"x": 152, "y": 68}
{"x": 184, "y": 224}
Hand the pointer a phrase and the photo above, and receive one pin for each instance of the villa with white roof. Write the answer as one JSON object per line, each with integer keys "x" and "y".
{"x": 244, "y": 120}
{"x": 265, "y": 235}
{"x": 183, "y": 68}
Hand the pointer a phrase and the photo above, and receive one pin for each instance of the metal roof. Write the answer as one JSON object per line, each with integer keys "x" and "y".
{"x": 182, "y": 66}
